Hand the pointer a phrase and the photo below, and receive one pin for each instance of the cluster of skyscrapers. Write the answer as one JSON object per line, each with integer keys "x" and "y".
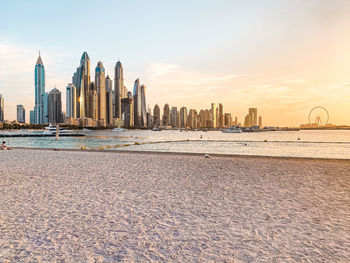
{"x": 91, "y": 103}
{"x": 213, "y": 118}
{"x": 99, "y": 103}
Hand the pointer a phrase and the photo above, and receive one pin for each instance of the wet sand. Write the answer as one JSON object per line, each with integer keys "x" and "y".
{"x": 71, "y": 206}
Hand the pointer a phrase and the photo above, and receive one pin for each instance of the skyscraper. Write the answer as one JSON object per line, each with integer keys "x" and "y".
{"x": 21, "y": 114}
{"x": 127, "y": 105}
{"x": 260, "y": 122}
{"x": 81, "y": 80}
{"x": 253, "y": 117}
{"x": 119, "y": 88}
{"x": 221, "y": 115}
{"x": 109, "y": 88}
{"x": 100, "y": 82}
{"x": 93, "y": 101}
{"x": 71, "y": 103}
{"x": 213, "y": 115}
{"x": 54, "y": 106}
{"x": 166, "y": 115}
{"x": 2, "y": 108}
{"x": 143, "y": 106}
{"x": 173, "y": 115}
{"x": 183, "y": 117}
{"x": 39, "y": 80}
{"x": 156, "y": 116}
{"x": 109, "y": 107}
{"x": 137, "y": 103}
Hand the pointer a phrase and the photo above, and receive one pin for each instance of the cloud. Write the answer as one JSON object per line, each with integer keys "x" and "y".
{"x": 294, "y": 81}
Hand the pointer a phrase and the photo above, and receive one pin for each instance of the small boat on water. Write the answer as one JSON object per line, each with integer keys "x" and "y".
{"x": 156, "y": 129}
{"x": 119, "y": 129}
{"x": 52, "y": 130}
{"x": 232, "y": 129}
{"x": 86, "y": 130}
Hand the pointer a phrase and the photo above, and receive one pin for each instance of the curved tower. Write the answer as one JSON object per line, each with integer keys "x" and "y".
{"x": 39, "y": 80}
{"x": 118, "y": 88}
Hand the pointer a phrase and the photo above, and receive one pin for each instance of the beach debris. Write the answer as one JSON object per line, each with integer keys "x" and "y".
{"x": 201, "y": 136}
{"x": 206, "y": 156}
{"x": 265, "y": 140}
{"x": 83, "y": 148}
{"x": 298, "y": 138}
{"x": 137, "y": 143}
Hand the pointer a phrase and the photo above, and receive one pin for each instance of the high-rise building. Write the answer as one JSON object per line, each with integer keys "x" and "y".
{"x": 2, "y": 108}
{"x": 228, "y": 120}
{"x": 46, "y": 107}
{"x": 156, "y": 116}
{"x": 31, "y": 117}
{"x": 191, "y": 119}
{"x": 21, "y": 114}
{"x": 213, "y": 115}
{"x": 253, "y": 117}
{"x": 100, "y": 82}
{"x": 71, "y": 101}
{"x": 109, "y": 107}
{"x": 54, "y": 106}
{"x": 183, "y": 117}
{"x": 246, "y": 121}
{"x": 39, "y": 81}
{"x": 236, "y": 121}
{"x": 166, "y": 115}
{"x": 173, "y": 115}
{"x": 260, "y": 122}
{"x": 221, "y": 115}
{"x": 93, "y": 101}
{"x": 119, "y": 88}
{"x": 137, "y": 103}
{"x": 143, "y": 106}
{"x": 128, "y": 108}
{"x": 81, "y": 80}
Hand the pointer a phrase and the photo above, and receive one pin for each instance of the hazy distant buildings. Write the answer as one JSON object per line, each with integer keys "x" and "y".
{"x": 166, "y": 115}
{"x": 31, "y": 117}
{"x": 173, "y": 116}
{"x": 183, "y": 117}
{"x": 71, "y": 98}
{"x": 260, "y": 122}
{"x": 137, "y": 103}
{"x": 253, "y": 117}
{"x": 21, "y": 114}
{"x": 156, "y": 116}
{"x": 39, "y": 82}
{"x": 2, "y": 108}
{"x": 213, "y": 115}
{"x": 228, "y": 120}
{"x": 221, "y": 116}
{"x": 118, "y": 88}
{"x": 54, "y": 106}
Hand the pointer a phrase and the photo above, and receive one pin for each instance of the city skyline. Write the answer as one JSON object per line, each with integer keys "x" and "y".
{"x": 238, "y": 65}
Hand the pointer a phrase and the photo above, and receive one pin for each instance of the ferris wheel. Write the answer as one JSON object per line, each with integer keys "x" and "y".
{"x": 319, "y": 116}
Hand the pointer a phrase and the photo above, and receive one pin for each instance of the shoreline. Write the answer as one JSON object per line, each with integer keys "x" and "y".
{"x": 190, "y": 154}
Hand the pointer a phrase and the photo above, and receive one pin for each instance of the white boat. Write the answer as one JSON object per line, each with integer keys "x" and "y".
{"x": 156, "y": 129}
{"x": 119, "y": 130}
{"x": 232, "y": 129}
{"x": 86, "y": 130}
{"x": 52, "y": 130}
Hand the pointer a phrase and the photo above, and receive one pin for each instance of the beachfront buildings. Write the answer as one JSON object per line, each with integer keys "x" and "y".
{"x": 39, "y": 83}
{"x": 2, "y": 108}
{"x": 156, "y": 116}
{"x": 54, "y": 106}
{"x": 173, "y": 117}
{"x": 183, "y": 117}
{"x": 21, "y": 114}
{"x": 253, "y": 117}
{"x": 71, "y": 96}
{"x": 100, "y": 82}
{"x": 118, "y": 88}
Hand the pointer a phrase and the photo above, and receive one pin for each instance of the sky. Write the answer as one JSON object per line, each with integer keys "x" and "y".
{"x": 282, "y": 57}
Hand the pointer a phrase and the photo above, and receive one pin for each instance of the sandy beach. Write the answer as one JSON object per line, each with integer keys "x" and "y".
{"x": 71, "y": 206}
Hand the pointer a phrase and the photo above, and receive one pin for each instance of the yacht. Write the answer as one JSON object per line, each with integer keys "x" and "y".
{"x": 51, "y": 130}
{"x": 119, "y": 129}
{"x": 232, "y": 129}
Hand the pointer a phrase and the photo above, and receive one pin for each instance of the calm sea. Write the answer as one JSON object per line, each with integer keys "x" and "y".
{"x": 324, "y": 144}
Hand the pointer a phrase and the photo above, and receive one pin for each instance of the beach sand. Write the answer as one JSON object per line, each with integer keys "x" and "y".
{"x": 71, "y": 206}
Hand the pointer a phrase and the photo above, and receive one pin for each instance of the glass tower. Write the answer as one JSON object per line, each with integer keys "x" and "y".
{"x": 39, "y": 81}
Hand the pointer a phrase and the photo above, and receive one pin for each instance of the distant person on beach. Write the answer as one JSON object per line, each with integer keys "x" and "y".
{"x": 4, "y": 147}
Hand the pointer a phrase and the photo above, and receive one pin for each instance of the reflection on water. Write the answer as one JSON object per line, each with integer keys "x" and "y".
{"x": 325, "y": 144}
